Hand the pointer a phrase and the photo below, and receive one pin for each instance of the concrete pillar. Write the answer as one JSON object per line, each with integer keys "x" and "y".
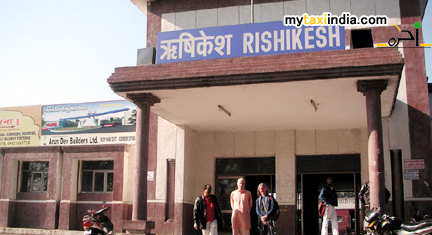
{"x": 139, "y": 203}
{"x": 372, "y": 89}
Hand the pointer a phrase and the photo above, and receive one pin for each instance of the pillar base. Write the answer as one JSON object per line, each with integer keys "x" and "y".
{"x": 138, "y": 226}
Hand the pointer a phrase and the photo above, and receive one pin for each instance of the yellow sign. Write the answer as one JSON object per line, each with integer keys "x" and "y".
{"x": 18, "y": 130}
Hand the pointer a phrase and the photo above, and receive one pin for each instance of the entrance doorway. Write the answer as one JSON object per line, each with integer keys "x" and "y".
{"x": 312, "y": 185}
{"x": 254, "y": 171}
{"x": 311, "y": 178}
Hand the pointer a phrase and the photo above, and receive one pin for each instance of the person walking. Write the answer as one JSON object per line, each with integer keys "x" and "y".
{"x": 207, "y": 212}
{"x": 328, "y": 196}
{"x": 264, "y": 209}
{"x": 241, "y": 204}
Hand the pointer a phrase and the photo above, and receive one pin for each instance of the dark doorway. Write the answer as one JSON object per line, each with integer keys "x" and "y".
{"x": 254, "y": 171}
{"x": 309, "y": 189}
{"x": 312, "y": 173}
{"x": 310, "y": 205}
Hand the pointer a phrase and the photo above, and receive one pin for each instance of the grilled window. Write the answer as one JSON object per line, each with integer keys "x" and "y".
{"x": 97, "y": 176}
{"x": 34, "y": 176}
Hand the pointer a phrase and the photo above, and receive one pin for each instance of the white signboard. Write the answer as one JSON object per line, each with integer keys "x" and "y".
{"x": 150, "y": 175}
{"x": 346, "y": 203}
{"x": 411, "y": 174}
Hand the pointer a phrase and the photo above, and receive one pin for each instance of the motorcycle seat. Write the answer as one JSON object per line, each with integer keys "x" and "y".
{"x": 418, "y": 225}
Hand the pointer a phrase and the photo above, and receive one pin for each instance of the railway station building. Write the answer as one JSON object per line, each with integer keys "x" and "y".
{"x": 226, "y": 90}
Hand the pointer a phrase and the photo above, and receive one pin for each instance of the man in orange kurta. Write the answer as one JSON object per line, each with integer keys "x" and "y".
{"x": 241, "y": 204}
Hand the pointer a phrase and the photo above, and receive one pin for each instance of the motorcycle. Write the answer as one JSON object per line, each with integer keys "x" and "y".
{"x": 419, "y": 215}
{"x": 96, "y": 223}
{"x": 385, "y": 224}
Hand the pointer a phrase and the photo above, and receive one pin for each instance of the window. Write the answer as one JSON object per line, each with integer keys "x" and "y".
{"x": 245, "y": 166}
{"x": 97, "y": 176}
{"x": 34, "y": 176}
{"x": 361, "y": 38}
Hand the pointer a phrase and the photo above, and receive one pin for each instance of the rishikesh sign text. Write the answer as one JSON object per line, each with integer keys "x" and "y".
{"x": 246, "y": 40}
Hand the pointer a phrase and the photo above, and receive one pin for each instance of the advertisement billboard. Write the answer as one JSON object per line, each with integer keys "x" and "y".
{"x": 107, "y": 122}
{"x": 20, "y": 126}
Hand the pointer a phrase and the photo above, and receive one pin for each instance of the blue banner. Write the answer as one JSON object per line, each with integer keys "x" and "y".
{"x": 246, "y": 40}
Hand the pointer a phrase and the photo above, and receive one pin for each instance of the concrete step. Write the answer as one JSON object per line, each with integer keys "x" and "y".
{"x": 30, "y": 231}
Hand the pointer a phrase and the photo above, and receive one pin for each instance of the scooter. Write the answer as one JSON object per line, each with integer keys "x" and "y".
{"x": 385, "y": 224}
{"x": 96, "y": 223}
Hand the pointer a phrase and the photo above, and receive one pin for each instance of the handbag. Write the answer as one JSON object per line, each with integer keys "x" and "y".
{"x": 321, "y": 209}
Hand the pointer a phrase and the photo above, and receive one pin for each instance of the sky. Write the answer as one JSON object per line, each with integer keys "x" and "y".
{"x": 62, "y": 51}
{"x": 58, "y": 51}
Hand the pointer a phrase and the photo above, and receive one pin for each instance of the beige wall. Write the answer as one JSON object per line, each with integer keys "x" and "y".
{"x": 398, "y": 132}
{"x": 268, "y": 12}
{"x": 128, "y": 175}
{"x": 196, "y": 153}
{"x": 166, "y": 147}
{"x": 189, "y": 168}
{"x": 175, "y": 142}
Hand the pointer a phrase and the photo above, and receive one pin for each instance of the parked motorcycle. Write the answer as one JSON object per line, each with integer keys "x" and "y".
{"x": 96, "y": 223}
{"x": 385, "y": 224}
{"x": 419, "y": 215}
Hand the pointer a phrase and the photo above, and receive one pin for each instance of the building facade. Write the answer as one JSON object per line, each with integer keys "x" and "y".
{"x": 350, "y": 109}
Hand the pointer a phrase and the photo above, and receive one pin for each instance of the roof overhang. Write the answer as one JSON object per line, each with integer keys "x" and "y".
{"x": 141, "y": 4}
{"x": 291, "y": 91}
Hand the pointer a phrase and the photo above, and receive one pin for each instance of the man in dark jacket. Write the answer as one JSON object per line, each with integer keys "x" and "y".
{"x": 364, "y": 195}
{"x": 328, "y": 196}
{"x": 207, "y": 212}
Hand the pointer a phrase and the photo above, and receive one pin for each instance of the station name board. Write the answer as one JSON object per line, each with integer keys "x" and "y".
{"x": 256, "y": 39}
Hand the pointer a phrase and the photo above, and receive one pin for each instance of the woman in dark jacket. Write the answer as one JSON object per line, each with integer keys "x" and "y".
{"x": 264, "y": 210}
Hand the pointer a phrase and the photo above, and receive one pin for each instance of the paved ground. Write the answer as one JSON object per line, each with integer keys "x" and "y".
{"x": 27, "y": 231}
{"x": 15, "y": 231}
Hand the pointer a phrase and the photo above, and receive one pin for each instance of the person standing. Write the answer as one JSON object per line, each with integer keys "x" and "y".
{"x": 264, "y": 209}
{"x": 328, "y": 196}
{"x": 207, "y": 212}
{"x": 364, "y": 196}
{"x": 241, "y": 204}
